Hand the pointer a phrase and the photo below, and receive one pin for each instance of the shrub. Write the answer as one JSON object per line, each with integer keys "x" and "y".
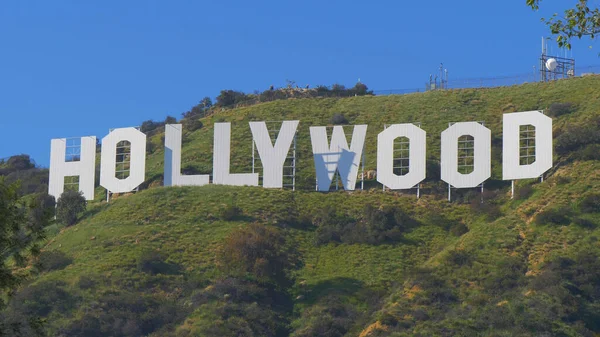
{"x": 43, "y": 210}
{"x": 230, "y": 213}
{"x": 330, "y": 225}
{"x": 523, "y": 192}
{"x": 86, "y": 282}
{"x": 338, "y": 89}
{"x": 590, "y": 203}
{"x": 69, "y": 205}
{"x": 193, "y": 124}
{"x": 170, "y": 120}
{"x": 229, "y": 98}
{"x": 433, "y": 170}
{"x": 574, "y": 138}
{"x": 561, "y": 180}
{"x": 331, "y": 317}
{"x": 261, "y": 252}
{"x": 575, "y": 282}
{"x": 206, "y": 102}
{"x": 124, "y": 314}
{"x": 459, "y": 258}
{"x": 52, "y": 260}
{"x": 589, "y": 152}
{"x": 360, "y": 89}
{"x": 435, "y": 289}
{"x": 153, "y": 263}
{"x": 239, "y": 307}
{"x": 375, "y": 227}
{"x": 557, "y": 216}
{"x": 20, "y": 162}
{"x": 149, "y": 126}
{"x": 43, "y": 298}
{"x": 559, "y": 109}
{"x": 235, "y": 307}
{"x": 509, "y": 273}
{"x": 234, "y": 290}
{"x": 585, "y": 223}
{"x": 459, "y": 229}
{"x": 487, "y": 208}
{"x": 339, "y": 119}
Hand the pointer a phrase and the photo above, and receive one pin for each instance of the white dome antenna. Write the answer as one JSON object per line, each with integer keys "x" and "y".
{"x": 551, "y": 64}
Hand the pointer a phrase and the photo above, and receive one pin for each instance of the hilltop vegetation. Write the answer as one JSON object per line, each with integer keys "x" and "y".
{"x": 224, "y": 261}
{"x": 32, "y": 179}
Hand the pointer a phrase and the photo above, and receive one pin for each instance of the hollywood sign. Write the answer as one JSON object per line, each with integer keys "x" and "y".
{"x": 329, "y": 157}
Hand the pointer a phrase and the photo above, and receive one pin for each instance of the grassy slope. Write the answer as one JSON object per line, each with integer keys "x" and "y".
{"x": 183, "y": 222}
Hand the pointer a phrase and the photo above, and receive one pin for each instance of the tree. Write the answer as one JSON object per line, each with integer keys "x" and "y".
{"x": 149, "y": 125}
{"x": 261, "y": 252}
{"x": 577, "y": 22}
{"x": 69, "y": 205}
{"x": 22, "y": 225}
{"x": 206, "y": 102}
{"x": 20, "y": 162}
{"x": 229, "y": 98}
{"x": 170, "y": 120}
{"x": 361, "y": 89}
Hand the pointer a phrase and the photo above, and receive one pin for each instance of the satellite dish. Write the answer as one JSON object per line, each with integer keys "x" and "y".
{"x": 551, "y": 64}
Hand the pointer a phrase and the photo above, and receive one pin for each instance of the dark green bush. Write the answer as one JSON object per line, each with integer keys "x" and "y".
{"x": 200, "y": 109}
{"x": 68, "y": 206}
{"x": 44, "y": 209}
{"x": 330, "y": 225}
{"x": 331, "y": 317}
{"x": 52, "y": 260}
{"x": 590, "y": 203}
{"x": 459, "y": 258}
{"x": 339, "y": 119}
{"x": 150, "y": 125}
{"x": 124, "y": 314}
{"x": 559, "y": 109}
{"x": 508, "y": 273}
{"x": 523, "y": 192}
{"x": 22, "y": 168}
{"x": 585, "y": 223}
{"x": 260, "y": 252}
{"x": 230, "y": 98}
{"x": 556, "y": 216}
{"x": 574, "y": 138}
{"x": 360, "y": 89}
{"x": 42, "y": 298}
{"x": 20, "y": 162}
{"x": 562, "y": 180}
{"x": 574, "y": 282}
{"x": 192, "y": 124}
{"x": 433, "y": 170}
{"x": 488, "y": 208}
{"x": 589, "y": 152}
{"x": 377, "y": 226}
{"x": 153, "y": 262}
{"x": 230, "y": 213}
{"x": 86, "y": 282}
{"x": 242, "y": 308}
{"x": 459, "y": 229}
{"x": 233, "y": 290}
{"x": 435, "y": 289}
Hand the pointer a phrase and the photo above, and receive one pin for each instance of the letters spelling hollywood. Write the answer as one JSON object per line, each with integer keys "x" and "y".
{"x": 328, "y": 156}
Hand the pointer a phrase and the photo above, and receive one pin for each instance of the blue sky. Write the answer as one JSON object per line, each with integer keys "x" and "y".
{"x": 78, "y": 68}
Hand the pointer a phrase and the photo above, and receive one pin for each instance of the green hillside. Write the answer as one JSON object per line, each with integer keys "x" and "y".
{"x": 168, "y": 262}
